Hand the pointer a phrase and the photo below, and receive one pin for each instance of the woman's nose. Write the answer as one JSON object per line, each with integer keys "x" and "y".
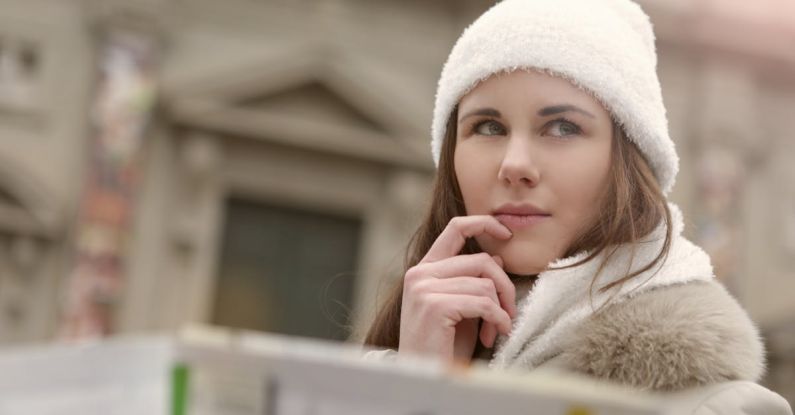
{"x": 518, "y": 164}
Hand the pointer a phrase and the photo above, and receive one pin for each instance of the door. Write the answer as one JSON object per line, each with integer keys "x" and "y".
{"x": 286, "y": 270}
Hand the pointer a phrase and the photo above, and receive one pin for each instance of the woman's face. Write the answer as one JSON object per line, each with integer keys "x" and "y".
{"x": 532, "y": 150}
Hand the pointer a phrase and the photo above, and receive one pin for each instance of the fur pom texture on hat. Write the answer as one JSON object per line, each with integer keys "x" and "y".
{"x": 605, "y": 47}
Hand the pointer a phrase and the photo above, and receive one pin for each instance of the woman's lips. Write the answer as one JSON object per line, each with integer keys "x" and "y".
{"x": 519, "y": 221}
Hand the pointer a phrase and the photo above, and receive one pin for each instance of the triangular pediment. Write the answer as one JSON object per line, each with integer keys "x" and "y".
{"x": 312, "y": 100}
{"x": 301, "y": 97}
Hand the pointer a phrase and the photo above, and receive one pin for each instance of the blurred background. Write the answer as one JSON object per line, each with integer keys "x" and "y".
{"x": 261, "y": 164}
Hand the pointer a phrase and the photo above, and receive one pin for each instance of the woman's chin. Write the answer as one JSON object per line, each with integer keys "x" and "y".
{"x": 520, "y": 257}
{"x": 517, "y": 261}
{"x": 523, "y": 268}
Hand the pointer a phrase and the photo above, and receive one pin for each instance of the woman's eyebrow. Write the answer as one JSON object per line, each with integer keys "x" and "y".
{"x": 556, "y": 109}
{"x": 482, "y": 111}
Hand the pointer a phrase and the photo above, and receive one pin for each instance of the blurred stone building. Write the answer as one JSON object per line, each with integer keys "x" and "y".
{"x": 284, "y": 161}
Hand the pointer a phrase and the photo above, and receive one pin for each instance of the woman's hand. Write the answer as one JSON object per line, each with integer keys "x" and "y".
{"x": 445, "y": 295}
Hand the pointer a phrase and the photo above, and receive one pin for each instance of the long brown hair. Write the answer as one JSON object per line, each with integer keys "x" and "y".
{"x": 631, "y": 208}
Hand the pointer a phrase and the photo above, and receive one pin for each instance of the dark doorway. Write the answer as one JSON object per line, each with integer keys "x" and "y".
{"x": 286, "y": 270}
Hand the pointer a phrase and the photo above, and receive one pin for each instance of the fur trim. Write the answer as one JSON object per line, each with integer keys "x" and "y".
{"x": 669, "y": 339}
{"x": 562, "y": 298}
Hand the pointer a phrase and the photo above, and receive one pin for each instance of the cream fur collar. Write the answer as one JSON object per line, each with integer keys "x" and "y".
{"x": 561, "y": 299}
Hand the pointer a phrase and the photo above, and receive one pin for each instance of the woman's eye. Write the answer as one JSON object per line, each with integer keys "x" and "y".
{"x": 489, "y": 127}
{"x": 565, "y": 128}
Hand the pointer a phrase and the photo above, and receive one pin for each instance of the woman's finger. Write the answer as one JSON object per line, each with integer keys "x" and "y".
{"x": 464, "y": 285}
{"x": 458, "y": 285}
{"x": 452, "y": 239}
{"x": 480, "y": 265}
{"x": 456, "y": 307}
{"x": 488, "y": 333}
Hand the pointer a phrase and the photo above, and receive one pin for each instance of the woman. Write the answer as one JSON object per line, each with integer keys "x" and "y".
{"x": 549, "y": 241}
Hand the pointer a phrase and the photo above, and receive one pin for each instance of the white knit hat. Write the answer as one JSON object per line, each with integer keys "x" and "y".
{"x": 605, "y": 47}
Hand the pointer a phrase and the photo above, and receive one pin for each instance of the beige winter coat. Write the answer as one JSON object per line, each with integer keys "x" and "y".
{"x": 692, "y": 342}
{"x": 672, "y": 329}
